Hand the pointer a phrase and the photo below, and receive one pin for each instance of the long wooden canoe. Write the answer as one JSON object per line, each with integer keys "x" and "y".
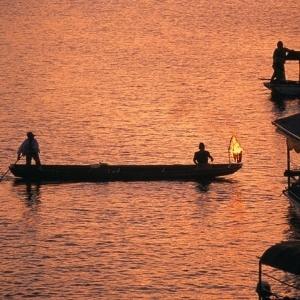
{"x": 106, "y": 172}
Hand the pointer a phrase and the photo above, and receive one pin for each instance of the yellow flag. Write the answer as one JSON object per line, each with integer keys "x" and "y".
{"x": 235, "y": 149}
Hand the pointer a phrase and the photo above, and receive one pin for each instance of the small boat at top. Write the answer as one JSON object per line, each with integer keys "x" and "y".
{"x": 288, "y": 88}
{"x": 290, "y": 128}
{"x": 105, "y": 172}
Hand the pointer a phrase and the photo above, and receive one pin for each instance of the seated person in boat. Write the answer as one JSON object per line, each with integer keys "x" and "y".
{"x": 30, "y": 149}
{"x": 279, "y": 57}
{"x": 202, "y": 156}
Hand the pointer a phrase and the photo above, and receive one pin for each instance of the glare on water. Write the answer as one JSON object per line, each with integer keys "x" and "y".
{"x": 142, "y": 82}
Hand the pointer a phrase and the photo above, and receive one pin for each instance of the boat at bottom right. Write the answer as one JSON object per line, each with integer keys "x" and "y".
{"x": 290, "y": 128}
{"x": 281, "y": 257}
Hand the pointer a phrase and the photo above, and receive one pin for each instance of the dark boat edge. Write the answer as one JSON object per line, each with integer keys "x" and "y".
{"x": 289, "y": 88}
{"x": 105, "y": 172}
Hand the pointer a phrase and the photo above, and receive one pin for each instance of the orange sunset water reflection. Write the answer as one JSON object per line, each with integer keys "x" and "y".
{"x": 142, "y": 82}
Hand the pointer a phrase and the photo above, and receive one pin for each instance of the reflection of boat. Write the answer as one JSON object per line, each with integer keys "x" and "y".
{"x": 290, "y": 127}
{"x": 289, "y": 88}
{"x": 105, "y": 172}
{"x": 284, "y": 256}
{"x": 293, "y": 193}
{"x": 27, "y": 191}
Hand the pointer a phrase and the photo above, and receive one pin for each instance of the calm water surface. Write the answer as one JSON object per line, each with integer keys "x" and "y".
{"x": 142, "y": 82}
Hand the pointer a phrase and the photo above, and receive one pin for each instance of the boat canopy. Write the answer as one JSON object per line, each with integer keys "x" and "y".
{"x": 293, "y": 55}
{"x": 290, "y": 128}
{"x": 284, "y": 256}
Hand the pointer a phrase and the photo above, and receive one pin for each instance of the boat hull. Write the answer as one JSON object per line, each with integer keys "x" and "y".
{"x": 289, "y": 88}
{"x": 104, "y": 172}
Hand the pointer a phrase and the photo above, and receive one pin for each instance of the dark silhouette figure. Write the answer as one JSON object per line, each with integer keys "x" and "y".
{"x": 202, "y": 156}
{"x": 30, "y": 149}
{"x": 279, "y": 56}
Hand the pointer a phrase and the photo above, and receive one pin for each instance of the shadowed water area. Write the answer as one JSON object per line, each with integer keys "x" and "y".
{"x": 140, "y": 82}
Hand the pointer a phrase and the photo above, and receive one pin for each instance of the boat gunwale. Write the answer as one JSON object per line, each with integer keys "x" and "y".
{"x": 94, "y": 173}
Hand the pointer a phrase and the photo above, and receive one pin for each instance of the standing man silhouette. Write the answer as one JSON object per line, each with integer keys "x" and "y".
{"x": 279, "y": 56}
{"x": 30, "y": 149}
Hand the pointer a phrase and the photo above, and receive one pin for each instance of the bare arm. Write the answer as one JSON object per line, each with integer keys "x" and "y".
{"x": 194, "y": 159}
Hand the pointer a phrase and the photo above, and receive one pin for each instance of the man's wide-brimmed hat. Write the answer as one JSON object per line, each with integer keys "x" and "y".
{"x": 30, "y": 134}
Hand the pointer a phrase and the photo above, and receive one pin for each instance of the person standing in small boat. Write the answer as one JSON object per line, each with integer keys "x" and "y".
{"x": 30, "y": 149}
{"x": 202, "y": 156}
{"x": 279, "y": 56}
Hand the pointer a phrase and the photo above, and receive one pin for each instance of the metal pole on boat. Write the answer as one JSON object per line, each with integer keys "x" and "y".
{"x": 259, "y": 281}
{"x": 8, "y": 169}
{"x": 288, "y": 163}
